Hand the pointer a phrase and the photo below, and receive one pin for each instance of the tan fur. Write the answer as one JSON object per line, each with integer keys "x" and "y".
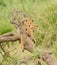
{"x": 30, "y": 27}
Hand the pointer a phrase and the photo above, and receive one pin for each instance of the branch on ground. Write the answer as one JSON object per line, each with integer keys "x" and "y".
{"x": 12, "y": 36}
{"x": 49, "y": 59}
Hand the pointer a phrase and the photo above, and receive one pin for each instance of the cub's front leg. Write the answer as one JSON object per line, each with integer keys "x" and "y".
{"x": 22, "y": 43}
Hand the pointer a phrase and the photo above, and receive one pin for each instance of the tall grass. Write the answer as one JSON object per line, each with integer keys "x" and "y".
{"x": 44, "y": 13}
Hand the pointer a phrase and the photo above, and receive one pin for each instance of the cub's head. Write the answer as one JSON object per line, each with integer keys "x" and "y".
{"x": 29, "y": 26}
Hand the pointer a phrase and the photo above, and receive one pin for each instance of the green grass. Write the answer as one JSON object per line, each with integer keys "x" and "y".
{"x": 44, "y": 13}
{"x": 5, "y": 26}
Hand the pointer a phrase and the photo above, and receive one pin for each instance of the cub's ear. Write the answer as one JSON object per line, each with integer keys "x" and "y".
{"x": 26, "y": 20}
{"x": 32, "y": 20}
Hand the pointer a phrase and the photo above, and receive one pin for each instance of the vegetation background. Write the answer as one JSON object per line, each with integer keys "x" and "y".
{"x": 44, "y": 14}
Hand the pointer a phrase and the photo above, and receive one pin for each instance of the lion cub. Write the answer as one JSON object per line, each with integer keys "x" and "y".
{"x": 29, "y": 27}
